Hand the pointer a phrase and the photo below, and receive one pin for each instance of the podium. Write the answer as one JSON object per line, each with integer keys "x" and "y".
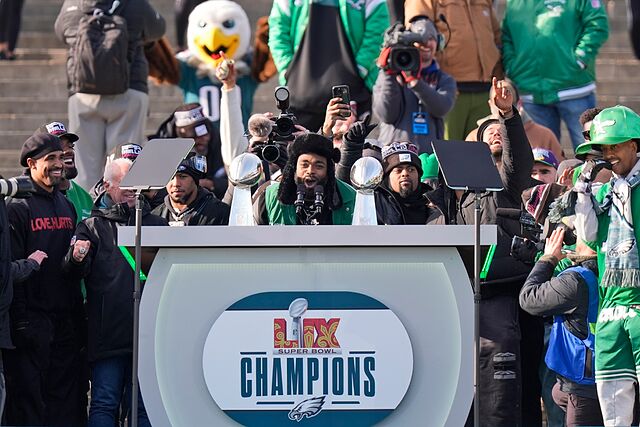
{"x": 307, "y": 326}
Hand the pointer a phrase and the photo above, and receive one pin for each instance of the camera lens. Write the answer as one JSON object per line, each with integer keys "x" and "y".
{"x": 284, "y": 126}
{"x": 404, "y": 59}
{"x": 270, "y": 153}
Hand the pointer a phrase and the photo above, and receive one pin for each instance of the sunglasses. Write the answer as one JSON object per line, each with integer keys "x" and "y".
{"x": 586, "y": 135}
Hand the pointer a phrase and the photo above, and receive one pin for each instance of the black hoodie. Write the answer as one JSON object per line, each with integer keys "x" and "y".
{"x": 45, "y": 221}
{"x": 109, "y": 278}
{"x": 206, "y": 209}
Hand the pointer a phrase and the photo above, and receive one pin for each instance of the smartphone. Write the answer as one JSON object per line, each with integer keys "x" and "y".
{"x": 342, "y": 92}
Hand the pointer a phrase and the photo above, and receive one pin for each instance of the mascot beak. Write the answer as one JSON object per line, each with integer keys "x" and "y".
{"x": 212, "y": 44}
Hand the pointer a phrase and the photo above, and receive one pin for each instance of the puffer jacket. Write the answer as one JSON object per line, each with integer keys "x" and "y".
{"x": 144, "y": 24}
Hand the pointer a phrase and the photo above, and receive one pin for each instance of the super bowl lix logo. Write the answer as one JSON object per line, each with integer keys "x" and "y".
{"x": 324, "y": 359}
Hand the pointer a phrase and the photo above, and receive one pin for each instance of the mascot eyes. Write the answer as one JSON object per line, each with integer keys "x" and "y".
{"x": 202, "y": 24}
{"x": 229, "y": 23}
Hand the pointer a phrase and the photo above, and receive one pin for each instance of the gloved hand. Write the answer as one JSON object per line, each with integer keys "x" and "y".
{"x": 411, "y": 76}
{"x": 383, "y": 61}
{"x": 359, "y": 130}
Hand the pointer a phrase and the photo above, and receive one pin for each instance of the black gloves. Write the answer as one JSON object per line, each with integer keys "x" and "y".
{"x": 358, "y": 131}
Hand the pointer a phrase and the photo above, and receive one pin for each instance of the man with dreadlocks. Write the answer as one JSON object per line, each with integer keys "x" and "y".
{"x": 309, "y": 193}
{"x": 606, "y": 221}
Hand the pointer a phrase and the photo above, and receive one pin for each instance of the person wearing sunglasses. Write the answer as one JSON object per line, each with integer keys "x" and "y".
{"x": 186, "y": 202}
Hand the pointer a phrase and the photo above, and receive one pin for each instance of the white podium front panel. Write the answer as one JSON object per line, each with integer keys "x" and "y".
{"x": 384, "y": 337}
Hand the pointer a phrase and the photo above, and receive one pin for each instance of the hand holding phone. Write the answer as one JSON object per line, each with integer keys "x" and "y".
{"x": 342, "y": 92}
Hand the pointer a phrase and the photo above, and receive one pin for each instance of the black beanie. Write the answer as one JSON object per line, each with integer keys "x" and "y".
{"x": 313, "y": 143}
{"x": 38, "y": 145}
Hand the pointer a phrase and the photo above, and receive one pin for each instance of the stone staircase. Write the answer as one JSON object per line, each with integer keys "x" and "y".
{"x": 33, "y": 88}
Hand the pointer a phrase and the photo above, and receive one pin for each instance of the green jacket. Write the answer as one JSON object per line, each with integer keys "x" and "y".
{"x": 81, "y": 201}
{"x": 364, "y": 22}
{"x": 621, "y": 296}
{"x": 543, "y": 42}
{"x": 280, "y": 213}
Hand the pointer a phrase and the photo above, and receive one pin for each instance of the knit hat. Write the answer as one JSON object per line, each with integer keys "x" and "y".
{"x": 398, "y": 153}
{"x": 58, "y": 129}
{"x": 484, "y": 125}
{"x": 194, "y": 165}
{"x": 430, "y": 166}
{"x": 544, "y": 156}
{"x": 39, "y": 145}
{"x": 191, "y": 115}
{"x": 128, "y": 151}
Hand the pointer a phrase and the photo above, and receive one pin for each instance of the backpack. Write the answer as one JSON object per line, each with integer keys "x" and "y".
{"x": 101, "y": 49}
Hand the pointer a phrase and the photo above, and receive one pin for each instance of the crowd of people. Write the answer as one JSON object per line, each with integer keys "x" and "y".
{"x": 564, "y": 270}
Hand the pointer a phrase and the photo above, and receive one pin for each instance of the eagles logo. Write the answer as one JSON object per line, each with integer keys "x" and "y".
{"x": 621, "y": 248}
{"x": 307, "y": 408}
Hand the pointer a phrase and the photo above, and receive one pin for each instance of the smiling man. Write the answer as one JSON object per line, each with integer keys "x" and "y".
{"x": 309, "y": 193}
{"x": 43, "y": 372}
{"x": 187, "y": 203}
{"x": 609, "y": 224}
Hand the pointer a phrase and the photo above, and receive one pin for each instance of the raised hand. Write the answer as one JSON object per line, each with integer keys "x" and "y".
{"x": 503, "y": 98}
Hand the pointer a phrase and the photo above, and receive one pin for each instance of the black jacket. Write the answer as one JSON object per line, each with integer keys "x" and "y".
{"x": 109, "y": 278}
{"x": 45, "y": 221}
{"x": 6, "y": 288}
{"x": 568, "y": 295}
{"x": 389, "y": 211}
{"x": 206, "y": 209}
{"x": 506, "y": 275}
{"x": 144, "y": 24}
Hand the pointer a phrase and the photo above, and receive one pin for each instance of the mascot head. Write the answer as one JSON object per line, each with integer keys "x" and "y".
{"x": 218, "y": 25}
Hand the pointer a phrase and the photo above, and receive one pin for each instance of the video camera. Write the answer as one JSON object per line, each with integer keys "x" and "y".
{"x": 283, "y": 128}
{"x": 19, "y": 187}
{"x": 532, "y": 239}
{"x": 403, "y": 55}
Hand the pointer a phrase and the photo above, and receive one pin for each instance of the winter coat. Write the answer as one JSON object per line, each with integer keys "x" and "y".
{"x": 472, "y": 32}
{"x": 566, "y": 295}
{"x": 395, "y": 105}
{"x": 206, "y": 209}
{"x": 543, "y": 43}
{"x": 364, "y": 23}
{"x": 108, "y": 277}
{"x": 144, "y": 25}
{"x": 506, "y": 275}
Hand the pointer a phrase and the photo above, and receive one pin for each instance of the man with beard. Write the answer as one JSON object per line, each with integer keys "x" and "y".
{"x": 501, "y": 379}
{"x": 187, "y": 203}
{"x": 80, "y": 199}
{"x": 309, "y": 193}
{"x": 43, "y": 372}
{"x": 96, "y": 257}
{"x": 401, "y": 198}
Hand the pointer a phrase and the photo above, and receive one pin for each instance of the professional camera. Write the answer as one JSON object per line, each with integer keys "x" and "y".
{"x": 283, "y": 127}
{"x": 403, "y": 55}
{"x": 19, "y": 187}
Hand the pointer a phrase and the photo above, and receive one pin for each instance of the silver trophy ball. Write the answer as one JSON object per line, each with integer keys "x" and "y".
{"x": 245, "y": 170}
{"x": 366, "y": 174}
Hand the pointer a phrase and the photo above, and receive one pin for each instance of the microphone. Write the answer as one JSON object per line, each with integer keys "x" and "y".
{"x": 259, "y": 127}
{"x": 299, "y": 203}
{"x": 443, "y": 19}
{"x": 319, "y": 201}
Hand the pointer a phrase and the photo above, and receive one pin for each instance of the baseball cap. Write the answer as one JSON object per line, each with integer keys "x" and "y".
{"x": 58, "y": 129}
{"x": 544, "y": 156}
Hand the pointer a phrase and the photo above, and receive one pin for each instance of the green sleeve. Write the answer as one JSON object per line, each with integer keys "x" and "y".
{"x": 280, "y": 40}
{"x": 595, "y": 30}
{"x": 508, "y": 53}
{"x": 375, "y": 25}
